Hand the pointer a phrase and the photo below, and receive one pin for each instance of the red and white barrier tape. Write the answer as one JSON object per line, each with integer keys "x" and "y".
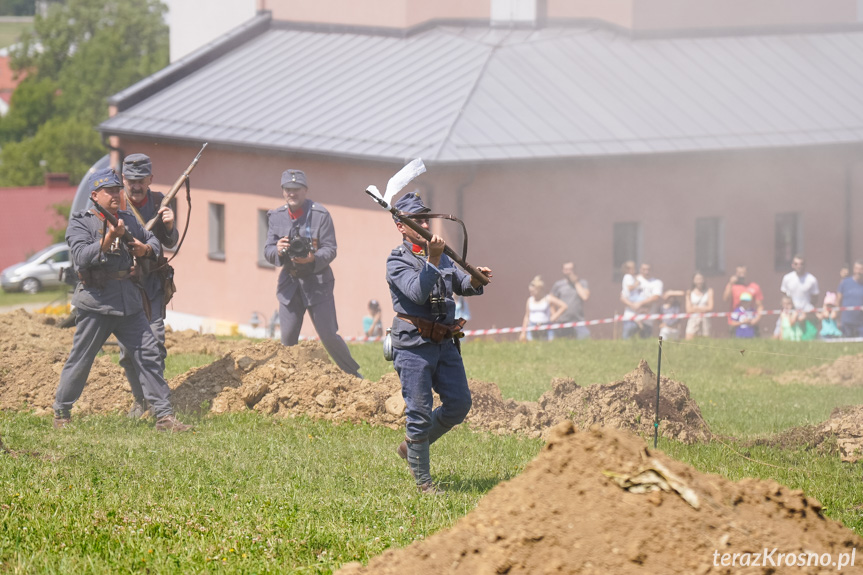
{"x": 615, "y": 319}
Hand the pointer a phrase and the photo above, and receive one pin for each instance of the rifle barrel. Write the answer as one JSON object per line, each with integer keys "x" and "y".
{"x": 175, "y": 188}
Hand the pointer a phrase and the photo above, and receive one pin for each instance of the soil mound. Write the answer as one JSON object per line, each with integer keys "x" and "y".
{"x": 846, "y": 371}
{"x": 288, "y": 381}
{"x": 600, "y": 502}
{"x": 626, "y": 404}
{"x": 274, "y": 379}
{"x": 841, "y": 433}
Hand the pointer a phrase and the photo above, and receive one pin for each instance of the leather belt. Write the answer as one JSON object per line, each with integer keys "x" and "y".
{"x": 437, "y": 332}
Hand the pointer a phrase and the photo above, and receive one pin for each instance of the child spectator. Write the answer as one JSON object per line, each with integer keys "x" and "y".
{"x": 743, "y": 318}
{"x": 828, "y": 316}
{"x": 541, "y": 309}
{"x": 372, "y": 326}
{"x": 791, "y": 326}
{"x": 669, "y": 326}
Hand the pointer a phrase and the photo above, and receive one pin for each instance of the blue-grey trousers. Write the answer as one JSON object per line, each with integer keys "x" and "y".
{"x": 134, "y": 334}
{"x": 158, "y": 326}
{"x": 428, "y": 367}
{"x": 323, "y": 316}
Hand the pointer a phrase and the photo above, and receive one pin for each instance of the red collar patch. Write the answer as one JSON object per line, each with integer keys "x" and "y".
{"x": 418, "y": 250}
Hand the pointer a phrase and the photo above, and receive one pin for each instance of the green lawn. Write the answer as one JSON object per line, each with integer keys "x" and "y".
{"x": 20, "y": 298}
{"x": 256, "y": 494}
{"x": 10, "y": 32}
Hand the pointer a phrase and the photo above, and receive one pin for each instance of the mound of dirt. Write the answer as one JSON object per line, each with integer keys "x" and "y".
{"x": 842, "y": 433}
{"x": 599, "y": 502}
{"x": 191, "y": 342}
{"x": 274, "y": 379}
{"x": 288, "y": 381}
{"x": 846, "y": 371}
{"x": 626, "y": 404}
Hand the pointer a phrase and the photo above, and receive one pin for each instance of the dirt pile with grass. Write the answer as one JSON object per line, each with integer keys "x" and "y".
{"x": 286, "y": 381}
{"x": 841, "y": 434}
{"x": 844, "y": 371}
{"x": 599, "y": 502}
{"x": 626, "y": 404}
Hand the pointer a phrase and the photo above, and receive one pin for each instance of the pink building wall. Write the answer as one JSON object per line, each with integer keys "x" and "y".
{"x": 24, "y": 222}
{"x": 634, "y": 14}
{"x": 523, "y": 219}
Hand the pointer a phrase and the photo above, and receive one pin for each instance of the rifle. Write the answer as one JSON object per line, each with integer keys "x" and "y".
{"x": 427, "y": 236}
{"x": 175, "y": 188}
{"x": 127, "y": 238}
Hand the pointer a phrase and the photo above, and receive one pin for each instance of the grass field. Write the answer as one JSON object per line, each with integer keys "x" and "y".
{"x": 253, "y": 494}
{"x": 8, "y": 299}
{"x": 10, "y": 32}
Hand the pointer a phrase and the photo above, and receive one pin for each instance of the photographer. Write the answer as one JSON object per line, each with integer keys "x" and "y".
{"x": 301, "y": 239}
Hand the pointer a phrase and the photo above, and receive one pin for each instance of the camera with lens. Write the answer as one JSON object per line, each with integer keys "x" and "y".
{"x": 300, "y": 247}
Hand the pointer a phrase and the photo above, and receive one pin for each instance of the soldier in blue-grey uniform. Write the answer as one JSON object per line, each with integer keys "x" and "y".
{"x": 302, "y": 240}
{"x": 425, "y": 334}
{"x": 108, "y": 301}
{"x": 146, "y": 204}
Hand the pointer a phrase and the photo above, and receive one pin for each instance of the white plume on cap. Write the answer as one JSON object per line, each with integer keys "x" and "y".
{"x": 402, "y": 178}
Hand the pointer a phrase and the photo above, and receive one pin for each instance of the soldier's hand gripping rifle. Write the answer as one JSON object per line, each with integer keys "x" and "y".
{"x": 399, "y": 181}
{"x": 127, "y": 238}
{"x": 174, "y": 189}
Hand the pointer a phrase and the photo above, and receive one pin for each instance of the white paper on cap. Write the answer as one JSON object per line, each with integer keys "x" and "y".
{"x": 403, "y": 177}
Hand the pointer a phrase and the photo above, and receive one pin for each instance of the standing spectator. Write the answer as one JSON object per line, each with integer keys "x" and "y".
{"x": 829, "y": 315}
{"x": 648, "y": 302}
{"x": 541, "y": 309}
{"x": 851, "y": 295}
{"x": 372, "y": 326}
{"x": 844, "y": 272}
{"x": 630, "y": 296}
{"x": 301, "y": 238}
{"x": 736, "y": 286}
{"x": 698, "y": 300}
{"x": 572, "y": 291}
{"x": 744, "y": 317}
{"x": 801, "y": 287}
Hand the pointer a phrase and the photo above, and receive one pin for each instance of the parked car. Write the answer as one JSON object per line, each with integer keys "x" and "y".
{"x": 41, "y": 270}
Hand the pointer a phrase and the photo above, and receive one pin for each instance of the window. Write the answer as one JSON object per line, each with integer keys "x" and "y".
{"x": 710, "y": 246}
{"x": 263, "y": 227}
{"x": 627, "y": 245}
{"x": 789, "y": 239}
{"x": 217, "y": 232}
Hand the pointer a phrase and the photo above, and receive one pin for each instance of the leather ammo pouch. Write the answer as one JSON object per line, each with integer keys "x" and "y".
{"x": 165, "y": 273}
{"x": 93, "y": 277}
{"x": 437, "y": 332}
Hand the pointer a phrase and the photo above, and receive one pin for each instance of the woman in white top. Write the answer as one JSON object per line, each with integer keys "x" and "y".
{"x": 540, "y": 309}
{"x": 699, "y": 300}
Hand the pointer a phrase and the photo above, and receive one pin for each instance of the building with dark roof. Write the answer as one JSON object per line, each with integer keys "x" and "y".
{"x": 560, "y": 140}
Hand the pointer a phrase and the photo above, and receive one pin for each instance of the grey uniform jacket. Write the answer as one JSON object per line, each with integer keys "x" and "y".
{"x": 152, "y": 283}
{"x": 119, "y": 296}
{"x": 315, "y": 282}
{"x": 413, "y": 281}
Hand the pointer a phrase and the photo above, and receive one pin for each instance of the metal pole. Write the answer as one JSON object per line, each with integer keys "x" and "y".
{"x": 656, "y": 417}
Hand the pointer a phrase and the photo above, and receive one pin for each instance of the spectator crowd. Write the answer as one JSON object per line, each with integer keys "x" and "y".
{"x": 806, "y": 313}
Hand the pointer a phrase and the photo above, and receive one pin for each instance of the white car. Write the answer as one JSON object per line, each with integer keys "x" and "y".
{"x": 40, "y": 271}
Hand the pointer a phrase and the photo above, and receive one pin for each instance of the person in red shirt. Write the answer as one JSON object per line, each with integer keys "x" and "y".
{"x": 738, "y": 285}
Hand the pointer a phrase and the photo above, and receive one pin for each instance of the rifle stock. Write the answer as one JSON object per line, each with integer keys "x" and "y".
{"x": 427, "y": 236}
{"x": 174, "y": 189}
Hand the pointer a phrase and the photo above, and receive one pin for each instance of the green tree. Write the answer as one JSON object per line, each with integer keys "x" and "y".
{"x": 31, "y": 105}
{"x": 63, "y": 210}
{"x": 77, "y": 55}
{"x": 67, "y": 146}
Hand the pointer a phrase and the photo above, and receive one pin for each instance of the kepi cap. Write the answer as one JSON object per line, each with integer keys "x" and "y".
{"x": 104, "y": 178}
{"x": 137, "y": 166}
{"x": 411, "y": 203}
{"x": 294, "y": 179}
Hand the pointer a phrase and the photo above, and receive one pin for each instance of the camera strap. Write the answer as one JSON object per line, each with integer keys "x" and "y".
{"x": 424, "y": 216}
